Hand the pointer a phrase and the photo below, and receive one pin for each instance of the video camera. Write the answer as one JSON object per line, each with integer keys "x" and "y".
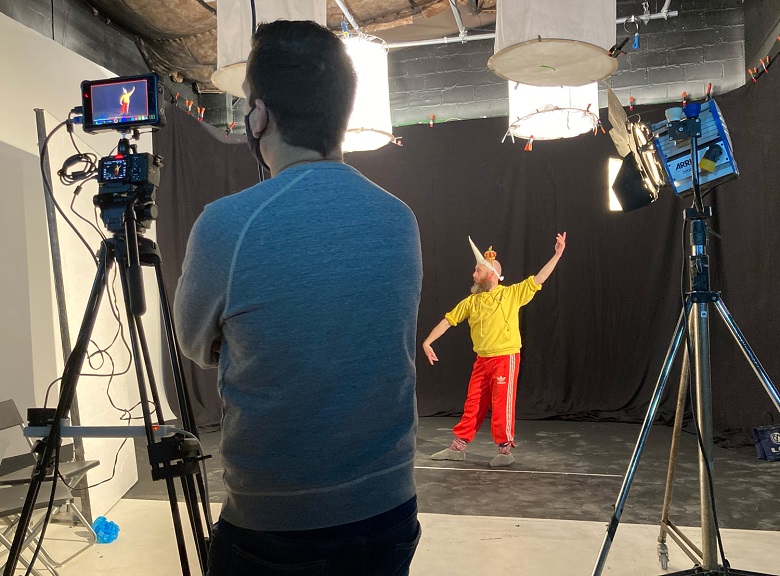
{"x": 124, "y": 104}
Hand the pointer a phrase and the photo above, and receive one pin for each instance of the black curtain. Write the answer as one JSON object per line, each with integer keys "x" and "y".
{"x": 595, "y": 337}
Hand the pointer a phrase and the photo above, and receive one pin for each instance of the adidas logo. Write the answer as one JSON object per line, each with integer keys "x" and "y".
{"x": 500, "y": 379}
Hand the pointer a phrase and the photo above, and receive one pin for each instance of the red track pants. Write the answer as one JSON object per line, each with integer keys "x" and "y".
{"x": 493, "y": 384}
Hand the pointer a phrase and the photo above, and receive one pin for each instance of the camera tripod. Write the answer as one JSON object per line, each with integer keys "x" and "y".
{"x": 176, "y": 456}
{"x": 693, "y": 327}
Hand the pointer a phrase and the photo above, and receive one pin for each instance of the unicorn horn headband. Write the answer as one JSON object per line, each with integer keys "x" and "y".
{"x": 487, "y": 259}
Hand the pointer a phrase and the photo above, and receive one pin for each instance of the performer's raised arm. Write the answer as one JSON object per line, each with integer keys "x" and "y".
{"x": 547, "y": 269}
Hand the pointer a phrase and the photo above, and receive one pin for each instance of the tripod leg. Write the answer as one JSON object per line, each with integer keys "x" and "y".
{"x": 748, "y": 352}
{"x": 133, "y": 323}
{"x": 190, "y": 497}
{"x": 682, "y": 395}
{"x": 701, "y": 358}
{"x": 70, "y": 376}
{"x": 629, "y": 477}
{"x": 185, "y": 406}
{"x": 188, "y": 420}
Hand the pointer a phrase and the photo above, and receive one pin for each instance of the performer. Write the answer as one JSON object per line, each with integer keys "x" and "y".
{"x": 124, "y": 100}
{"x": 493, "y": 314}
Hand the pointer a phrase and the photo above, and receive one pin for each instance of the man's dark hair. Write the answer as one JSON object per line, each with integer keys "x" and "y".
{"x": 303, "y": 73}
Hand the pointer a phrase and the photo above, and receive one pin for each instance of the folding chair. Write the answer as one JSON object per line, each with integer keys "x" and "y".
{"x": 14, "y": 484}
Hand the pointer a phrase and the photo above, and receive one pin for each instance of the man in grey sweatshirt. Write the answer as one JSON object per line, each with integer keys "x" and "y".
{"x": 303, "y": 290}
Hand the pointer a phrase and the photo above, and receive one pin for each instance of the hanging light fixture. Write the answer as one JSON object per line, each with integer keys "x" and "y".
{"x": 236, "y": 21}
{"x": 554, "y": 42}
{"x": 552, "y": 112}
{"x": 369, "y": 126}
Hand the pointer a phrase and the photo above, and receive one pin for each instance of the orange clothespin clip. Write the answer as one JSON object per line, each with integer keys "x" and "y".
{"x": 200, "y": 113}
{"x": 188, "y": 105}
{"x": 431, "y": 118}
{"x": 764, "y": 64}
{"x": 709, "y": 90}
{"x": 229, "y": 129}
{"x": 596, "y": 129}
{"x": 684, "y": 98}
{"x": 175, "y": 98}
{"x": 529, "y": 146}
{"x": 752, "y": 75}
{"x": 631, "y": 103}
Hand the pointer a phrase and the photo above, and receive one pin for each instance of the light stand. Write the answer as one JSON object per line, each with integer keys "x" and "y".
{"x": 128, "y": 183}
{"x": 698, "y": 301}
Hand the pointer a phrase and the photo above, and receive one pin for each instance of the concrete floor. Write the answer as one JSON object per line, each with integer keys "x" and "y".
{"x": 450, "y": 545}
{"x": 544, "y": 515}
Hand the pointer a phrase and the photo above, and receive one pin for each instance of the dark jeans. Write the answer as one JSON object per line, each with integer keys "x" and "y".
{"x": 379, "y": 546}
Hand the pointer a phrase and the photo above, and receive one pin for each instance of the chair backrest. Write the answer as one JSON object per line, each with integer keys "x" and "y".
{"x": 11, "y": 418}
{"x": 9, "y": 415}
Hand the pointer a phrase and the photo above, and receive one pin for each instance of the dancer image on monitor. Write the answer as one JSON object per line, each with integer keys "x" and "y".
{"x": 124, "y": 100}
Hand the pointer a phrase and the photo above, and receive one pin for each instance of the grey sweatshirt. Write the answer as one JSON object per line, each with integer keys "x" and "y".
{"x": 311, "y": 280}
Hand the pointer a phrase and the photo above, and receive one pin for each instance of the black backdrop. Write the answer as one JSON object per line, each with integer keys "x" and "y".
{"x": 596, "y": 335}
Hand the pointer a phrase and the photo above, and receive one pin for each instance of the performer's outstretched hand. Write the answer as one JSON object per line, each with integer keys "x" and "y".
{"x": 430, "y": 353}
{"x": 560, "y": 243}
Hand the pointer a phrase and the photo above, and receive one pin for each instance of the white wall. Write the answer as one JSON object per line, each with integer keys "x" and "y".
{"x": 40, "y": 73}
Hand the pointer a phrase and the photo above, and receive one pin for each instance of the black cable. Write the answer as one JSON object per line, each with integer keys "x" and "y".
{"x": 207, "y": 7}
{"x": 48, "y": 189}
{"x": 113, "y": 471}
{"x": 88, "y": 171}
{"x": 79, "y": 216}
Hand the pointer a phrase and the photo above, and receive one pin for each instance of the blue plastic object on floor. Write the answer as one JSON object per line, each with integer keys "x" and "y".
{"x": 106, "y": 530}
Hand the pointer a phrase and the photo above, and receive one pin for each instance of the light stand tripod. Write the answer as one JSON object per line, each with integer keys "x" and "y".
{"x": 128, "y": 183}
{"x": 697, "y": 301}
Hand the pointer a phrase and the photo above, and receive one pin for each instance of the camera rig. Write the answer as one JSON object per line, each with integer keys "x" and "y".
{"x": 128, "y": 178}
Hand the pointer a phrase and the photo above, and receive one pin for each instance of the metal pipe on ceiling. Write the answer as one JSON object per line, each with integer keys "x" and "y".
{"x": 656, "y": 16}
{"x": 458, "y": 19}
{"x": 347, "y": 15}
{"x": 464, "y": 37}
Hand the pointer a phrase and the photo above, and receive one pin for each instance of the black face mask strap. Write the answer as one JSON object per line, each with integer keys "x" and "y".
{"x": 254, "y": 144}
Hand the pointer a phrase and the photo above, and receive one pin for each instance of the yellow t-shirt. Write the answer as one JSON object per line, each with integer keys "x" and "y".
{"x": 494, "y": 317}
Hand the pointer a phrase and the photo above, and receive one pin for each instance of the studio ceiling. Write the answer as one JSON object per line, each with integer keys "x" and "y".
{"x": 179, "y": 37}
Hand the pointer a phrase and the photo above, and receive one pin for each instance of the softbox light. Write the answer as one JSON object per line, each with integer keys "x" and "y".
{"x": 554, "y": 42}
{"x": 370, "y": 126}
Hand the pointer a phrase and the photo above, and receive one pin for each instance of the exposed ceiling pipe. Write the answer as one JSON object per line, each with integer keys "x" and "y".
{"x": 464, "y": 37}
{"x": 656, "y": 16}
{"x": 446, "y": 40}
{"x": 458, "y": 19}
{"x": 347, "y": 15}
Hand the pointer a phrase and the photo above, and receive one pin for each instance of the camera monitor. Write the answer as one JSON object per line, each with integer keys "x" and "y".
{"x": 122, "y": 103}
